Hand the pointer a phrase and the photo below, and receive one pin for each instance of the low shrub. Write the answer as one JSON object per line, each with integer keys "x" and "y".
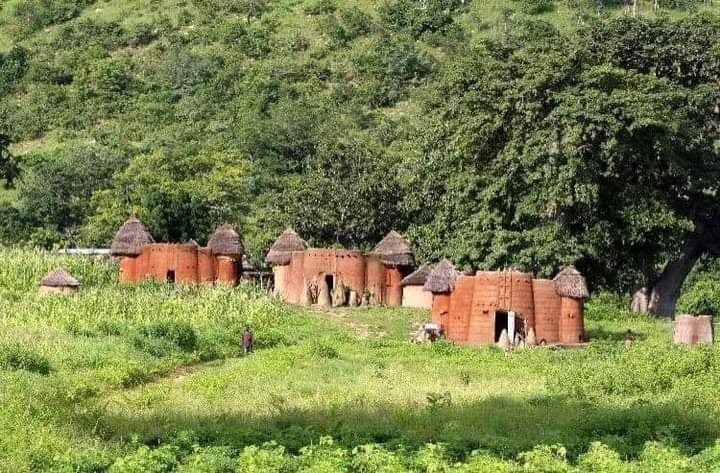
{"x": 180, "y": 333}
{"x": 702, "y": 297}
{"x": 14, "y": 356}
{"x": 323, "y": 350}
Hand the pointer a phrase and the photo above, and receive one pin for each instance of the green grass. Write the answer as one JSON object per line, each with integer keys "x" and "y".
{"x": 148, "y": 374}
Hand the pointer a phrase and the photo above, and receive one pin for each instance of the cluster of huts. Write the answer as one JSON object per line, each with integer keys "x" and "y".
{"x": 483, "y": 307}
{"x": 470, "y": 308}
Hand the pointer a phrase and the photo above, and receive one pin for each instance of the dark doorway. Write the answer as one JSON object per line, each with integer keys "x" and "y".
{"x": 171, "y": 277}
{"x": 501, "y": 323}
{"x": 330, "y": 281}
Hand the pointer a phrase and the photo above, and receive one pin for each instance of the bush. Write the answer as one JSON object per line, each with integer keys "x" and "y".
{"x": 180, "y": 333}
{"x": 14, "y": 356}
{"x": 702, "y": 298}
{"x": 323, "y": 350}
{"x": 535, "y": 7}
{"x": 417, "y": 18}
{"x": 209, "y": 460}
{"x": 320, "y": 7}
{"x": 31, "y": 15}
{"x": 145, "y": 460}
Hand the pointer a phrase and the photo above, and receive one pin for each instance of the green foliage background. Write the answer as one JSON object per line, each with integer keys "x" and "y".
{"x": 498, "y": 133}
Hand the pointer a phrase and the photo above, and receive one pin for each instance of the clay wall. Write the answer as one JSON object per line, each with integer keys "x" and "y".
{"x": 295, "y": 281}
{"x": 280, "y": 275}
{"x": 375, "y": 279}
{"x": 184, "y": 259}
{"x": 485, "y": 303}
{"x": 515, "y": 293}
{"x": 547, "y": 311}
{"x": 127, "y": 269}
{"x": 393, "y": 291}
{"x": 206, "y": 266}
{"x": 460, "y": 308}
{"x": 186, "y": 263}
{"x": 441, "y": 310}
{"x": 350, "y": 269}
{"x": 415, "y": 296}
{"x": 571, "y": 320}
{"x": 227, "y": 270}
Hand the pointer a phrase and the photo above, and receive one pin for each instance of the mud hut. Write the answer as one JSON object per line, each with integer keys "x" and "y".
{"x": 396, "y": 253}
{"x": 572, "y": 289}
{"x": 59, "y": 281}
{"x": 227, "y": 248}
{"x": 279, "y": 257}
{"x": 413, "y": 293}
{"x": 130, "y": 239}
{"x": 441, "y": 283}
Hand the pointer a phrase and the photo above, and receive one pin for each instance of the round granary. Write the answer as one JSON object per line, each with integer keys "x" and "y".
{"x": 225, "y": 241}
{"x": 130, "y": 239}
{"x": 281, "y": 251}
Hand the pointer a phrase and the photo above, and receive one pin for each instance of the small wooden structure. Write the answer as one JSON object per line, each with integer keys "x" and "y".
{"x": 691, "y": 330}
{"x": 59, "y": 281}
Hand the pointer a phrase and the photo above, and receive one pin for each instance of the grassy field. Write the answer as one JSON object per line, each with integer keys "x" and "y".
{"x": 149, "y": 378}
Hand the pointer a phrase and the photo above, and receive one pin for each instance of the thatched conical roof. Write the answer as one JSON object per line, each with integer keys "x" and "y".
{"x": 395, "y": 249}
{"x": 59, "y": 278}
{"x": 130, "y": 238}
{"x": 570, "y": 283}
{"x": 281, "y": 251}
{"x": 419, "y": 277}
{"x": 442, "y": 278}
{"x": 225, "y": 241}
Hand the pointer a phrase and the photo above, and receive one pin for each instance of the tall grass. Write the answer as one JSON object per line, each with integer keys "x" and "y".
{"x": 149, "y": 377}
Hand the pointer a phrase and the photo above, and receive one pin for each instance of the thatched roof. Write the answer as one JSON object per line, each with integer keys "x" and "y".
{"x": 281, "y": 251}
{"x": 59, "y": 278}
{"x": 225, "y": 241}
{"x": 570, "y": 283}
{"x": 442, "y": 278}
{"x": 419, "y": 277}
{"x": 395, "y": 249}
{"x": 130, "y": 239}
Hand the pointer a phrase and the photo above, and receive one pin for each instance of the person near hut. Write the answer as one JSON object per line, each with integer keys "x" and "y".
{"x": 247, "y": 340}
{"x": 629, "y": 338}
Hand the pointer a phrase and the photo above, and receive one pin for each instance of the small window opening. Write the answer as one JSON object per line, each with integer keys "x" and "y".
{"x": 171, "y": 277}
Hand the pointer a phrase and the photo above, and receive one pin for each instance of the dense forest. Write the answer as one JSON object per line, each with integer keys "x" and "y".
{"x": 531, "y": 133}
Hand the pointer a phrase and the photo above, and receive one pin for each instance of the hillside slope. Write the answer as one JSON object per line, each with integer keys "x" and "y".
{"x": 348, "y": 118}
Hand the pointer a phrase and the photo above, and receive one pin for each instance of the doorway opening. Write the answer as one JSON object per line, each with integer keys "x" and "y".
{"x": 330, "y": 281}
{"x": 501, "y": 323}
{"x": 170, "y": 277}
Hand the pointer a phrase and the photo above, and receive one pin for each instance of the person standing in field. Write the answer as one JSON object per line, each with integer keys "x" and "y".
{"x": 247, "y": 340}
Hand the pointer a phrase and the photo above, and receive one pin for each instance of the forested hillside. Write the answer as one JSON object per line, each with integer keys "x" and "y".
{"x": 531, "y": 133}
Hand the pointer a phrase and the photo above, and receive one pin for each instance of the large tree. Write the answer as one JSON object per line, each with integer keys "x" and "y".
{"x": 598, "y": 151}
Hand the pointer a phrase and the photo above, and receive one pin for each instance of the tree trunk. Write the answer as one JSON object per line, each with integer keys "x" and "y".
{"x": 666, "y": 290}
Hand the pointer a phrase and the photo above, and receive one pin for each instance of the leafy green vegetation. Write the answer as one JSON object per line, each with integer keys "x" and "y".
{"x": 532, "y": 133}
{"x": 150, "y": 378}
